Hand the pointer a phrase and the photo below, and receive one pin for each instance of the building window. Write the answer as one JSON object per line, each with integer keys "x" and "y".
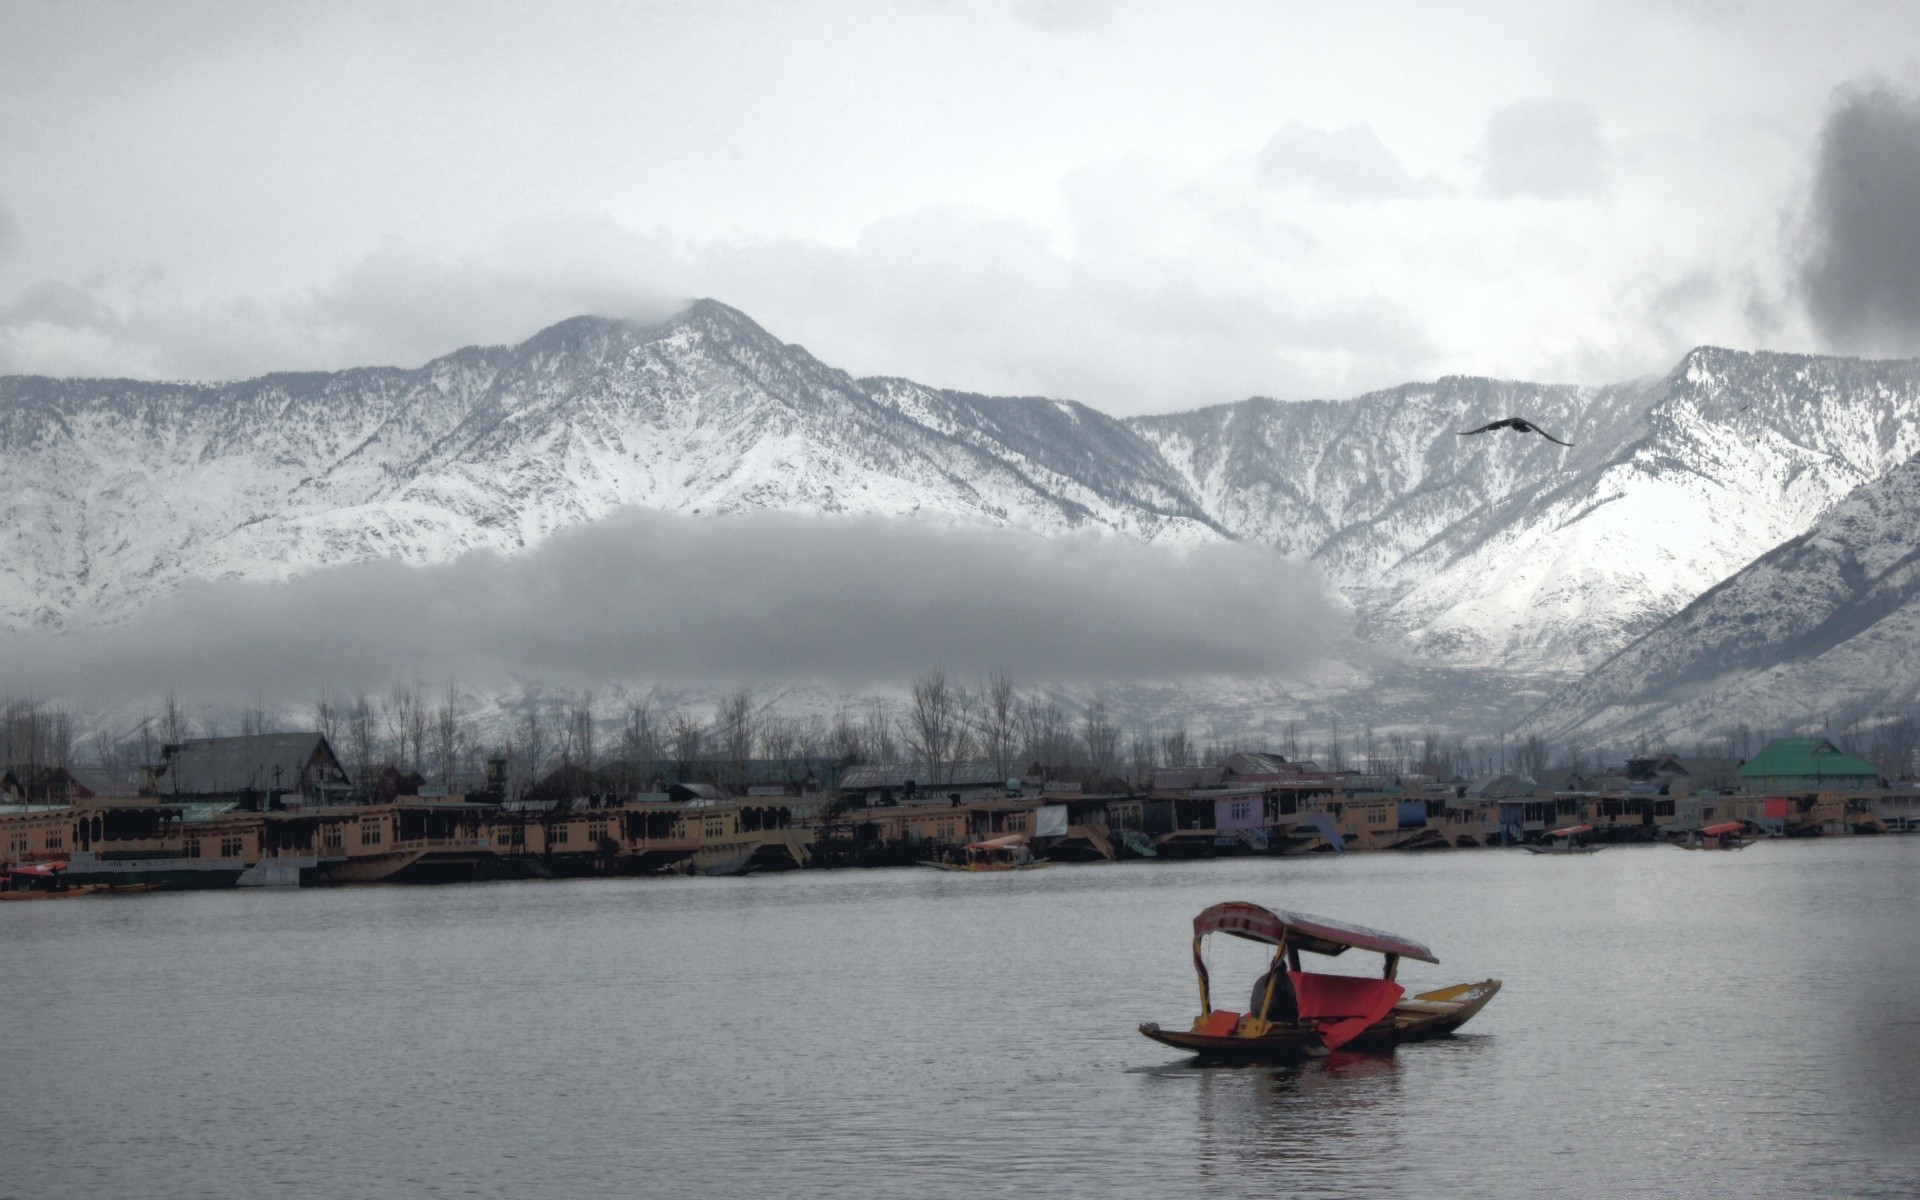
{"x": 231, "y": 846}
{"x": 596, "y": 831}
{"x": 558, "y": 834}
{"x": 192, "y": 848}
{"x": 370, "y": 833}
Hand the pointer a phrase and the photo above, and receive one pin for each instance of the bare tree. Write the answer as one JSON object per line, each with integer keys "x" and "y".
{"x": 688, "y": 734}
{"x": 999, "y": 723}
{"x": 448, "y": 735}
{"x": 735, "y": 726}
{"x": 397, "y": 715}
{"x": 932, "y": 719}
{"x": 326, "y": 714}
{"x": 1176, "y": 749}
{"x": 880, "y": 732}
{"x": 1140, "y": 750}
{"x": 581, "y": 750}
{"x": 256, "y": 718}
{"x": 174, "y": 726}
{"x": 1531, "y": 755}
{"x": 532, "y": 739}
{"x": 362, "y": 733}
{"x": 1101, "y": 739}
{"x": 845, "y": 740}
{"x": 639, "y": 746}
{"x": 1045, "y": 739}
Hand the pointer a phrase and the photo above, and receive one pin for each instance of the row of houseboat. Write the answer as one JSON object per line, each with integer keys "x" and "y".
{"x": 227, "y": 831}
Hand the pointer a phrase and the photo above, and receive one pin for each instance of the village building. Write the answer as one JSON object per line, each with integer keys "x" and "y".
{"x": 883, "y": 784}
{"x": 1806, "y": 765}
{"x": 261, "y": 771}
{"x": 1685, "y": 776}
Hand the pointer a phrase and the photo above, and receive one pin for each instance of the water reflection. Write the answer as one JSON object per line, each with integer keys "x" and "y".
{"x": 1672, "y": 1025}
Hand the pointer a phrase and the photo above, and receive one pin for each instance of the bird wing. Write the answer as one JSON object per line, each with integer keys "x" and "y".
{"x": 1556, "y": 441}
{"x": 1482, "y": 429}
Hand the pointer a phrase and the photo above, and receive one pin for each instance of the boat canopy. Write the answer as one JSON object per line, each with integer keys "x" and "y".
{"x": 1724, "y": 827}
{"x": 38, "y": 870}
{"x": 1009, "y": 842}
{"x": 1570, "y": 830}
{"x": 1319, "y": 935}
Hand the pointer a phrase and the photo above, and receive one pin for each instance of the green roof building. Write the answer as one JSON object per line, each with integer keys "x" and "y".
{"x": 1806, "y": 765}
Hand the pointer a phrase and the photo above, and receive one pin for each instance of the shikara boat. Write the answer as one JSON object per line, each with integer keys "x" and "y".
{"x": 41, "y": 881}
{"x": 1727, "y": 835}
{"x": 1010, "y": 853}
{"x": 1295, "y": 1014}
{"x": 1574, "y": 839}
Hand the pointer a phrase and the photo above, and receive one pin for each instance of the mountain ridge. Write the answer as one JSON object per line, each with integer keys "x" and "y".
{"x": 1493, "y": 551}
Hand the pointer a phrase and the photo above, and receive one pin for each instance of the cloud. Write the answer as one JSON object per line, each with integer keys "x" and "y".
{"x": 761, "y": 598}
{"x": 9, "y": 233}
{"x": 1551, "y": 149}
{"x": 1340, "y": 164}
{"x": 1861, "y": 274}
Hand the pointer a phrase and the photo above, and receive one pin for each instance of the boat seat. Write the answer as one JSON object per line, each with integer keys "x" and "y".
{"x": 1218, "y": 1023}
{"x": 1437, "y": 1007}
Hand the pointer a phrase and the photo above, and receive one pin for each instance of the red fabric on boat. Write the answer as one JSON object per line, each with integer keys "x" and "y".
{"x": 1777, "y": 809}
{"x": 1220, "y": 1023}
{"x": 1724, "y": 827}
{"x": 1344, "y": 1004}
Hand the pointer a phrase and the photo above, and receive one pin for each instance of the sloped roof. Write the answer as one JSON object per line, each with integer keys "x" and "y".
{"x": 894, "y": 775}
{"x": 1244, "y": 763}
{"x": 1502, "y": 787}
{"x": 1813, "y": 757}
{"x": 225, "y": 766}
{"x": 1697, "y": 766}
{"x": 105, "y": 781}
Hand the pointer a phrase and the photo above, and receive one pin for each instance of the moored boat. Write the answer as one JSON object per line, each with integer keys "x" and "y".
{"x": 1295, "y": 1014}
{"x": 42, "y": 881}
{"x": 1573, "y": 839}
{"x": 1009, "y": 853}
{"x": 1727, "y": 835}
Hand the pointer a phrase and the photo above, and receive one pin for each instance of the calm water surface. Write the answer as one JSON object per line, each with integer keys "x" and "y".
{"x": 1672, "y": 1024}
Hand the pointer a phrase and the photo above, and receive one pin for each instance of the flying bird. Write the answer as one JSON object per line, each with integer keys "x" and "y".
{"x": 1518, "y": 425}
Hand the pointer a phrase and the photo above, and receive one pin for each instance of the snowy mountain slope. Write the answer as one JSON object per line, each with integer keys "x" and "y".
{"x": 1823, "y": 627}
{"x": 1498, "y": 551}
{"x": 117, "y": 490}
{"x": 1507, "y": 550}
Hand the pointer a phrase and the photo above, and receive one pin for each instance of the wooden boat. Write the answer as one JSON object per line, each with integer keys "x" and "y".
{"x": 42, "y": 881}
{"x": 1574, "y": 839}
{"x": 1727, "y": 835}
{"x": 1010, "y": 853}
{"x": 1295, "y": 1014}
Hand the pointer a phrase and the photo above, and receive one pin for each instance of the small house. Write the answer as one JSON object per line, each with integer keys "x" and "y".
{"x": 1806, "y": 765}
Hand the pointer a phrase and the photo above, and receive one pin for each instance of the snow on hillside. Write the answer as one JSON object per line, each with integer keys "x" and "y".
{"x": 1498, "y": 551}
{"x": 1821, "y": 630}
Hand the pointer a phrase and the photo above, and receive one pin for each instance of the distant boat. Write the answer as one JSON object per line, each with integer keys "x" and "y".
{"x": 1294, "y": 1014}
{"x": 42, "y": 881}
{"x": 1010, "y": 853}
{"x": 1727, "y": 835}
{"x": 1571, "y": 840}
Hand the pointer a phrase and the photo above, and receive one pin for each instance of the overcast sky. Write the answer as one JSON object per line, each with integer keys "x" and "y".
{"x": 1145, "y": 207}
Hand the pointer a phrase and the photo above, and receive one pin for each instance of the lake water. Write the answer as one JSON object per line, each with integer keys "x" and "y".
{"x": 1672, "y": 1024}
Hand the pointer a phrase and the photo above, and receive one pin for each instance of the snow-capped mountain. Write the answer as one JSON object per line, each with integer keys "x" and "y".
{"x": 1501, "y": 550}
{"x": 117, "y": 491}
{"x": 1822, "y": 629}
{"x": 1507, "y": 550}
